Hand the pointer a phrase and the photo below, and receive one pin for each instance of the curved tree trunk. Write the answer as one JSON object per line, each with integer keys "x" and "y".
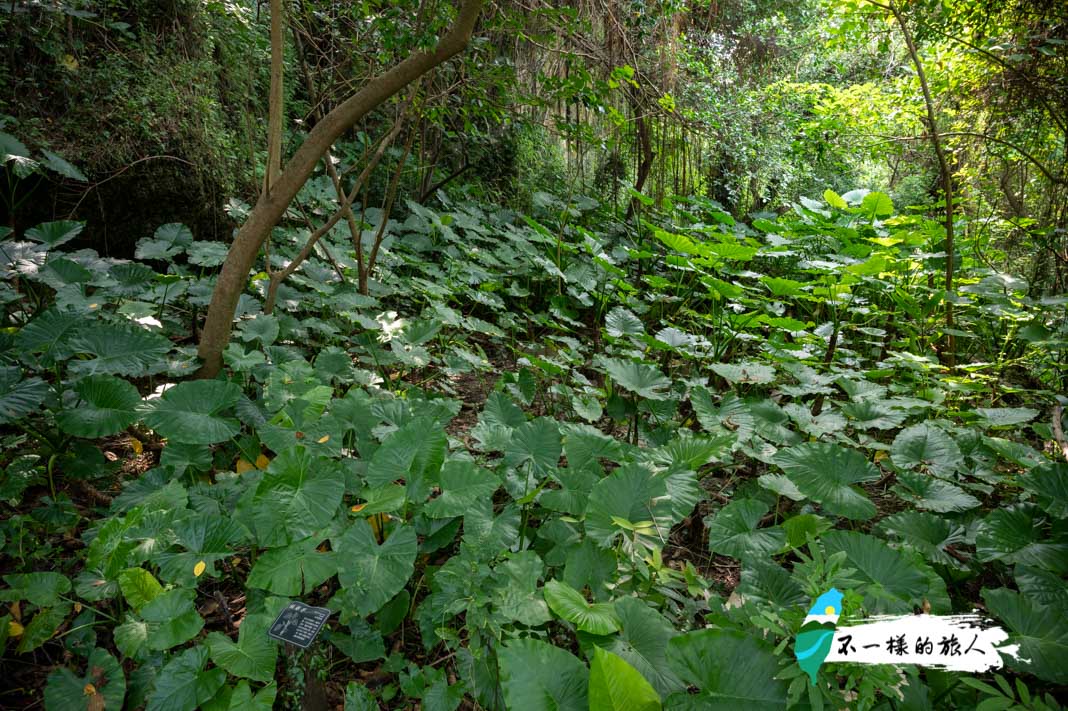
{"x": 272, "y": 205}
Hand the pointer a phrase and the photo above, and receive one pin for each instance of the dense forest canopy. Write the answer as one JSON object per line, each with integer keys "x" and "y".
{"x": 559, "y": 356}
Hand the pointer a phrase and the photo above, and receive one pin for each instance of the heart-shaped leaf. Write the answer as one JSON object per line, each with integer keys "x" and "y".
{"x": 254, "y": 654}
{"x": 103, "y": 686}
{"x": 1020, "y": 534}
{"x": 107, "y": 405}
{"x": 462, "y": 483}
{"x": 826, "y": 472}
{"x": 925, "y": 446}
{"x": 734, "y": 531}
{"x": 299, "y": 494}
{"x": 642, "y": 379}
{"x": 119, "y": 350}
{"x": 568, "y": 603}
{"x": 537, "y": 676}
{"x": 729, "y": 669}
{"x": 617, "y": 686}
{"x": 19, "y": 397}
{"x": 371, "y": 574}
{"x": 192, "y": 412}
{"x": 183, "y": 684}
{"x": 293, "y": 569}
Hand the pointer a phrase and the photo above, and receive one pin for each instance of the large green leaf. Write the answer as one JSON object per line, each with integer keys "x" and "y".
{"x": 103, "y": 686}
{"x": 19, "y": 397}
{"x": 43, "y": 627}
{"x": 166, "y": 621}
{"x": 118, "y": 349}
{"x": 643, "y": 641}
{"x": 49, "y": 334}
{"x": 207, "y": 254}
{"x": 487, "y": 534}
{"x": 733, "y": 531}
{"x": 732, "y": 415}
{"x": 766, "y": 582}
{"x": 1042, "y": 587}
{"x": 61, "y": 165}
{"x": 107, "y": 405}
{"x": 1041, "y": 632}
{"x": 892, "y": 582}
{"x": 462, "y": 483}
{"x": 263, "y": 328}
{"x": 617, "y": 686}
{"x": 41, "y": 589}
{"x": 536, "y": 443}
{"x": 515, "y": 596}
{"x": 932, "y": 494}
{"x": 169, "y": 241}
{"x": 925, "y": 532}
{"x": 826, "y": 472}
{"x": 192, "y": 412}
{"x": 54, "y": 234}
{"x": 371, "y": 573}
{"x": 1020, "y": 534}
{"x": 631, "y": 494}
{"x": 241, "y": 698}
{"x": 139, "y": 587}
{"x": 869, "y": 414}
{"x": 254, "y": 654}
{"x": 729, "y": 669}
{"x": 621, "y": 322}
{"x": 413, "y": 454}
{"x": 925, "y": 446}
{"x": 1005, "y": 416}
{"x": 294, "y": 569}
{"x": 642, "y": 379}
{"x": 537, "y": 676}
{"x": 585, "y": 446}
{"x": 1049, "y": 484}
{"x": 568, "y": 603}
{"x": 876, "y": 204}
{"x": 748, "y": 373}
{"x": 205, "y": 538}
{"x": 299, "y": 494}
{"x": 183, "y": 684}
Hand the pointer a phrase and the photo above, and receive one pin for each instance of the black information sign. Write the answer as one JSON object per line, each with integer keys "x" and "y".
{"x": 298, "y": 624}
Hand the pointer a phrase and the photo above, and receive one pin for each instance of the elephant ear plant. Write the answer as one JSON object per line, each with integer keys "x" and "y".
{"x": 513, "y": 490}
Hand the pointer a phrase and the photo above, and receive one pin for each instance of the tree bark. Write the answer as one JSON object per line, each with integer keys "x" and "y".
{"x": 272, "y": 205}
{"x": 276, "y": 106}
{"x": 645, "y": 164}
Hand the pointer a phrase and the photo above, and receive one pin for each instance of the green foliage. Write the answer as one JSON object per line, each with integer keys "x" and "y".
{"x": 542, "y": 541}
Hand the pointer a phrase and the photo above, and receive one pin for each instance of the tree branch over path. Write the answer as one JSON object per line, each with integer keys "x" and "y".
{"x": 272, "y": 204}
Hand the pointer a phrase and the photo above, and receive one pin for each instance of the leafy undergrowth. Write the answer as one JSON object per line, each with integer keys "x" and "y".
{"x": 548, "y": 462}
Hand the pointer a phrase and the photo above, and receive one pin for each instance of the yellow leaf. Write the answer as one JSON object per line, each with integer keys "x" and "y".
{"x": 16, "y": 610}
{"x": 880, "y": 455}
{"x": 14, "y": 629}
{"x": 324, "y": 439}
{"x": 89, "y": 690}
{"x": 77, "y": 607}
{"x": 262, "y": 462}
{"x": 69, "y": 62}
{"x": 358, "y": 508}
{"x": 136, "y": 446}
{"x": 199, "y": 568}
{"x": 243, "y": 465}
